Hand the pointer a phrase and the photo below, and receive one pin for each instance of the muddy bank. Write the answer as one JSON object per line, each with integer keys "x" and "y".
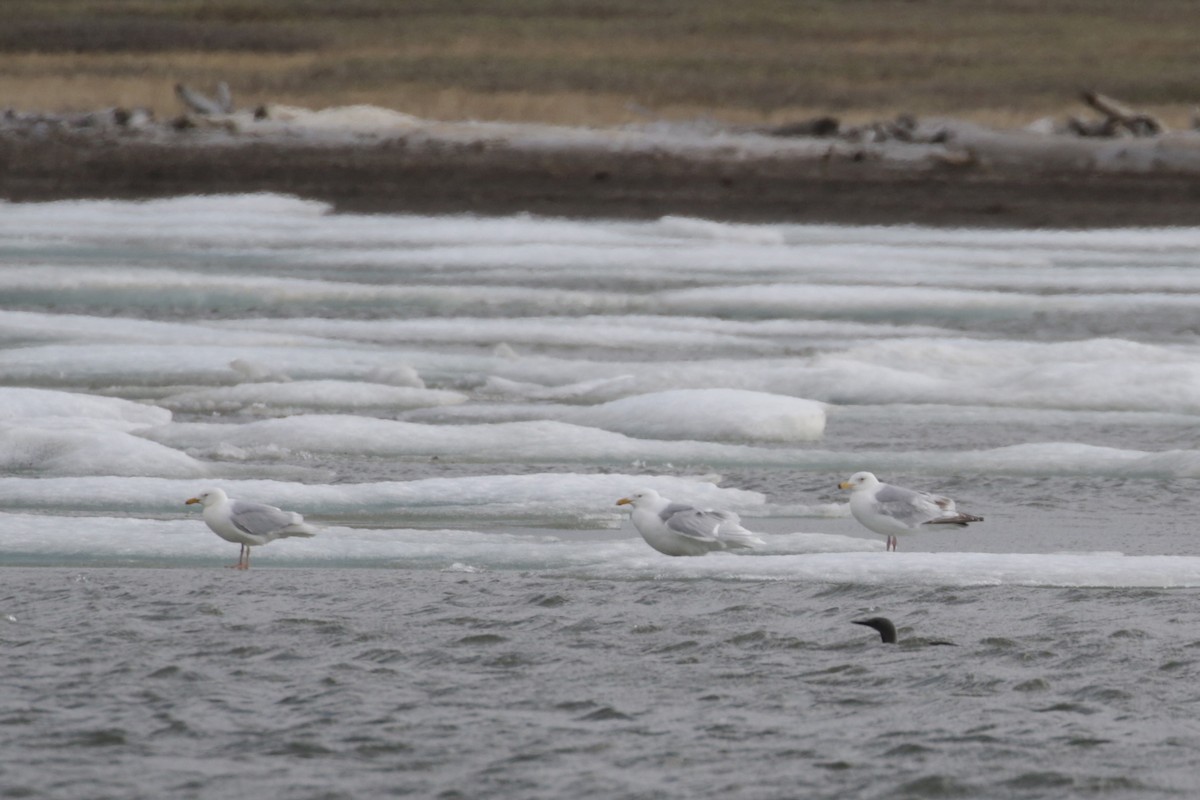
{"x": 727, "y": 178}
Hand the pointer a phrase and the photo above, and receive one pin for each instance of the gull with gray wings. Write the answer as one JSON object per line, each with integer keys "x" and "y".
{"x": 677, "y": 529}
{"x": 892, "y": 510}
{"x": 248, "y": 524}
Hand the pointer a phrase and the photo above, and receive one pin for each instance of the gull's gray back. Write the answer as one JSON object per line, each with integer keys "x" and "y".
{"x": 909, "y": 506}
{"x": 259, "y": 519}
{"x": 691, "y": 521}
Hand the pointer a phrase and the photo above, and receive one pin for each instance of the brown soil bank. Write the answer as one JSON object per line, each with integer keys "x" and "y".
{"x": 428, "y": 175}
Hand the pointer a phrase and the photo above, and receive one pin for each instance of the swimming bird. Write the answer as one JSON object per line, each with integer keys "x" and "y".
{"x": 887, "y": 631}
{"x": 248, "y": 524}
{"x": 682, "y": 530}
{"x": 886, "y": 628}
{"x": 891, "y": 510}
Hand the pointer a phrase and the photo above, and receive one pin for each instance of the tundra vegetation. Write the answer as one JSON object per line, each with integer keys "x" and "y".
{"x": 1000, "y": 62}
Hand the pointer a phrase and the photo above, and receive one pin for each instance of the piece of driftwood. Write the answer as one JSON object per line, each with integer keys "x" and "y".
{"x": 1119, "y": 117}
{"x": 819, "y": 127}
{"x": 904, "y": 128}
{"x": 1098, "y": 128}
{"x": 220, "y": 103}
{"x": 108, "y": 119}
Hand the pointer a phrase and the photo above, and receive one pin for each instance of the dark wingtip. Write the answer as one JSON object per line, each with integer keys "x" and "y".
{"x": 887, "y": 630}
{"x": 961, "y": 521}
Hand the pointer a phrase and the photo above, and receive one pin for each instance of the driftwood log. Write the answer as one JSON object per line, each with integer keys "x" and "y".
{"x": 905, "y": 128}
{"x": 821, "y": 127}
{"x": 1118, "y": 118}
{"x": 220, "y": 103}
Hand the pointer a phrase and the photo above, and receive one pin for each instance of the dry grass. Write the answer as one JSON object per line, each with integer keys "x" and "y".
{"x": 589, "y": 61}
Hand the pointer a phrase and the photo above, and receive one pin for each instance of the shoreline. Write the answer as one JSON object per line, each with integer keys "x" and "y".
{"x": 492, "y": 171}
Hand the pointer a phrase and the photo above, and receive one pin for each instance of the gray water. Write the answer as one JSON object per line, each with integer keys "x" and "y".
{"x": 340, "y": 683}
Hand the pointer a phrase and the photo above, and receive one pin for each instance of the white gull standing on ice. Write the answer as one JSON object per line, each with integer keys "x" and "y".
{"x": 248, "y": 524}
{"x": 677, "y": 529}
{"x": 892, "y": 510}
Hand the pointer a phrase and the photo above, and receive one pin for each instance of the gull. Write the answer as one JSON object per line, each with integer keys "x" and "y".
{"x": 248, "y": 524}
{"x": 891, "y": 510}
{"x": 677, "y": 529}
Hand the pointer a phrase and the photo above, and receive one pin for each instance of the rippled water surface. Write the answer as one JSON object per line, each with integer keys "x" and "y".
{"x": 458, "y": 403}
{"x": 351, "y": 683}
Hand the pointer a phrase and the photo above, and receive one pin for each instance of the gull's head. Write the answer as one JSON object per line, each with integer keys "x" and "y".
{"x": 859, "y": 480}
{"x": 208, "y": 497}
{"x": 642, "y": 498}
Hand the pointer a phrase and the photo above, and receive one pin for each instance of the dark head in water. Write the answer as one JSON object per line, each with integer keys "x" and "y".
{"x": 887, "y": 630}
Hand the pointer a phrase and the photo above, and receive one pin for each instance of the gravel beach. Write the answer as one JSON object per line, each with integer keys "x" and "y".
{"x": 1005, "y": 181}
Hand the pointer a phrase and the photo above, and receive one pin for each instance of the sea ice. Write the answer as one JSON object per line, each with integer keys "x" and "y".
{"x": 708, "y": 414}
{"x": 326, "y": 395}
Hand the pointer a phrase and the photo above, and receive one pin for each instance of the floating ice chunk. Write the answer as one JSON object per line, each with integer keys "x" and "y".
{"x": 24, "y": 403}
{"x": 534, "y": 441}
{"x": 195, "y": 216}
{"x": 816, "y": 510}
{"x": 550, "y": 441}
{"x": 709, "y": 414}
{"x": 179, "y": 364}
{"x": 580, "y": 390}
{"x": 135, "y": 287}
{"x": 467, "y": 569}
{"x": 904, "y": 303}
{"x": 321, "y": 395}
{"x": 397, "y": 375}
{"x": 691, "y": 227}
{"x": 944, "y": 372}
{"x": 935, "y": 569}
{"x": 505, "y": 350}
{"x": 255, "y": 371}
{"x": 626, "y": 333}
{"x": 558, "y": 496}
{"x": 503, "y": 387}
{"x": 1066, "y": 458}
{"x": 21, "y": 328}
{"x": 796, "y": 543}
{"x": 1071, "y": 458}
{"x": 51, "y": 448}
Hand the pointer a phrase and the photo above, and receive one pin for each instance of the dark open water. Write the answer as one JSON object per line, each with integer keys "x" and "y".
{"x": 345, "y": 683}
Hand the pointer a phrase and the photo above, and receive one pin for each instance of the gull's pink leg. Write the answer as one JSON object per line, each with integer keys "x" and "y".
{"x": 238, "y": 565}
